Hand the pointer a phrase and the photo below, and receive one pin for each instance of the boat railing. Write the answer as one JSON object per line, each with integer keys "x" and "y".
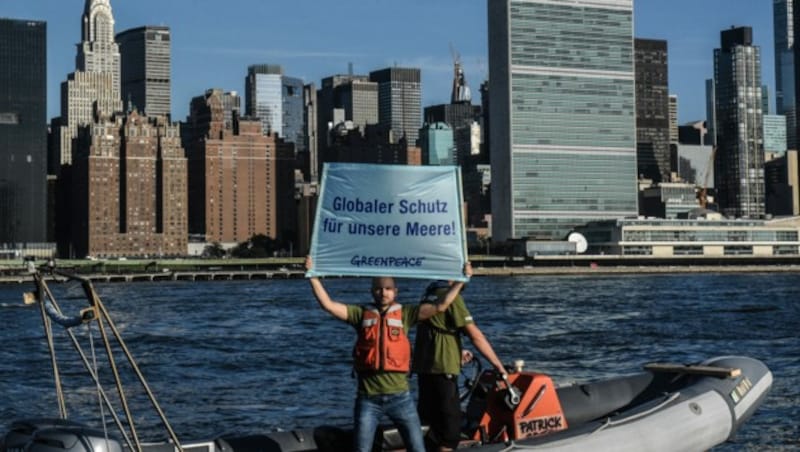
{"x": 95, "y": 315}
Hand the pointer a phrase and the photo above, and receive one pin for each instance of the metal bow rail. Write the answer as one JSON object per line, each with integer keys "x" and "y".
{"x": 96, "y": 312}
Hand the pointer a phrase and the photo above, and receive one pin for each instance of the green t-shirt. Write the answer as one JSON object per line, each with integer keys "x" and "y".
{"x": 381, "y": 381}
{"x": 437, "y": 349}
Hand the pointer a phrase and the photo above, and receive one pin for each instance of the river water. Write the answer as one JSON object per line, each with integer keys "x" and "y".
{"x": 256, "y": 356}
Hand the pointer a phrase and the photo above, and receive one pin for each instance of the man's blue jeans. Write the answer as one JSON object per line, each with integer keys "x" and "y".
{"x": 397, "y": 407}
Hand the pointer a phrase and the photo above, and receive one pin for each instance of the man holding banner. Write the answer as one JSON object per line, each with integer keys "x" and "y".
{"x": 374, "y": 220}
{"x": 382, "y": 356}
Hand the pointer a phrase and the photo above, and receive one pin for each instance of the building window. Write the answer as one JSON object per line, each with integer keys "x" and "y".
{"x": 637, "y": 250}
{"x": 738, "y": 250}
{"x": 782, "y": 250}
{"x": 687, "y": 250}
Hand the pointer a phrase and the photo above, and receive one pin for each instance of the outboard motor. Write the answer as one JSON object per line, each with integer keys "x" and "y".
{"x": 56, "y": 435}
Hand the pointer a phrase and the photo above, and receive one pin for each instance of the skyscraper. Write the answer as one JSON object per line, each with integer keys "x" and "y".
{"x": 462, "y": 118}
{"x": 93, "y": 90}
{"x": 146, "y": 69}
{"x": 673, "y": 119}
{"x": 262, "y": 96}
{"x": 563, "y": 133}
{"x": 232, "y": 172}
{"x": 438, "y": 147}
{"x": 23, "y": 131}
{"x": 293, "y": 119}
{"x": 309, "y": 164}
{"x": 711, "y": 113}
{"x": 652, "y": 110}
{"x": 459, "y": 113}
{"x": 486, "y": 125}
{"x": 354, "y": 94}
{"x": 399, "y": 101}
{"x": 277, "y": 101}
{"x": 739, "y": 160}
{"x": 783, "y": 29}
{"x": 782, "y": 181}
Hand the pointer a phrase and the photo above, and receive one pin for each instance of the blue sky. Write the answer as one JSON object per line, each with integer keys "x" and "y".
{"x": 215, "y": 41}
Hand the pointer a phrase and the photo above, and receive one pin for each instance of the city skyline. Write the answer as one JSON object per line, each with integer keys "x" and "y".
{"x": 429, "y": 29}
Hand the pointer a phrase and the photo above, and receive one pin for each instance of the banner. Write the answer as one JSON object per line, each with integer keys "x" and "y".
{"x": 389, "y": 220}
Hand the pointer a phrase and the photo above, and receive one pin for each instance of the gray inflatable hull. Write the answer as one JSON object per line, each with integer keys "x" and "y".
{"x": 649, "y": 411}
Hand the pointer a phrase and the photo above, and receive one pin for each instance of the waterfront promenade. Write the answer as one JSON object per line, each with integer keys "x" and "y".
{"x": 286, "y": 268}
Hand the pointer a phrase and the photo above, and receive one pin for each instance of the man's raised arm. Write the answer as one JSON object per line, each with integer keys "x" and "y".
{"x": 336, "y": 309}
{"x": 428, "y": 310}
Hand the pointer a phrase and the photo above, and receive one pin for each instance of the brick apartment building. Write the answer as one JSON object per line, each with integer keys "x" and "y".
{"x": 128, "y": 192}
{"x": 233, "y": 169}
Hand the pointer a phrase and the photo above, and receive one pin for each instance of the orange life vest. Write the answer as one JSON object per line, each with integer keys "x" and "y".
{"x": 382, "y": 342}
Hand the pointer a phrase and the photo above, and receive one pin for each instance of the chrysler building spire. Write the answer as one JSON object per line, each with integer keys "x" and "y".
{"x": 98, "y": 51}
{"x": 98, "y": 21}
{"x": 93, "y": 90}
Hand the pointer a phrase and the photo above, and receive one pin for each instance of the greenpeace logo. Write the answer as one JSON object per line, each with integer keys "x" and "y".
{"x": 386, "y": 261}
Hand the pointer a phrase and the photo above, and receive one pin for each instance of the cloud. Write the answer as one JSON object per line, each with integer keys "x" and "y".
{"x": 437, "y": 64}
{"x": 270, "y": 53}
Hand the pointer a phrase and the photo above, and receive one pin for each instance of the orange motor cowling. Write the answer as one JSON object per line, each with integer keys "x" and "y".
{"x": 538, "y": 411}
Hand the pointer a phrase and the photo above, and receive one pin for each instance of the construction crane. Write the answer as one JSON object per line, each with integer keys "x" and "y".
{"x": 702, "y": 198}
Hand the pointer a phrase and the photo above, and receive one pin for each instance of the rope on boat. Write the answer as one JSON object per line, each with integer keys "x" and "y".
{"x": 66, "y": 321}
{"x": 99, "y": 387}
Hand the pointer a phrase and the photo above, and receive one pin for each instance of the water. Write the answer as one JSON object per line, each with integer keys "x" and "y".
{"x": 247, "y": 356}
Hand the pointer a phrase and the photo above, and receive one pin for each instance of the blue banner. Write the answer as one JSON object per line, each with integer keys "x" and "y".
{"x": 389, "y": 220}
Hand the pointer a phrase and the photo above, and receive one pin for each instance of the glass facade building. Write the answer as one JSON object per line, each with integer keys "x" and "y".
{"x": 23, "y": 131}
{"x": 739, "y": 160}
{"x": 652, "y": 110}
{"x": 783, "y": 29}
{"x": 562, "y": 110}
{"x": 293, "y": 116}
{"x": 277, "y": 101}
{"x": 438, "y": 146}
{"x": 264, "y": 97}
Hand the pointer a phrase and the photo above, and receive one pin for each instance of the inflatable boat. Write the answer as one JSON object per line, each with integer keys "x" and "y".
{"x": 665, "y": 407}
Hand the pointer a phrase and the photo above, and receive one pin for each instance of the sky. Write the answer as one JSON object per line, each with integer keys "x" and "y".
{"x": 214, "y": 41}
